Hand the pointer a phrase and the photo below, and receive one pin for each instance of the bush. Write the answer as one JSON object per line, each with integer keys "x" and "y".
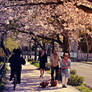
{"x": 82, "y": 88}
{"x": 2, "y": 84}
{"x": 30, "y": 59}
{"x": 2, "y": 81}
{"x": 75, "y": 80}
{"x": 73, "y": 72}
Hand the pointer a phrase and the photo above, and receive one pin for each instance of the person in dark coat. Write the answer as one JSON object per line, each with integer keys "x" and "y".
{"x": 16, "y": 62}
{"x": 43, "y": 61}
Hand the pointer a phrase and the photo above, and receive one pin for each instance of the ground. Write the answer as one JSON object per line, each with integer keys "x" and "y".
{"x": 31, "y": 80}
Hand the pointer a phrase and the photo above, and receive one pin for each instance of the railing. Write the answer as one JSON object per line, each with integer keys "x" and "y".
{"x": 78, "y": 56}
{"x": 83, "y": 56}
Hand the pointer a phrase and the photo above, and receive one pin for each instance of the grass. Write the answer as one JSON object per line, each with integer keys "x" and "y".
{"x": 36, "y": 63}
{"x": 49, "y": 71}
{"x": 83, "y": 88}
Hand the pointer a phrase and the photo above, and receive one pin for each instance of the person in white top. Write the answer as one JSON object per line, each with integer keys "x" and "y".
{"x": 65, "y": 69}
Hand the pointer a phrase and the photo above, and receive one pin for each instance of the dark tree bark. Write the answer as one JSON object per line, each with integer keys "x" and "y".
{"x": 87, "y": 47}
{"x": 53, "y": 45}
{"x": 2, "y": 44}
{"x": 84, "y": 8}
{"x": 65, "y": 44}
{"x": 35, "y": 51}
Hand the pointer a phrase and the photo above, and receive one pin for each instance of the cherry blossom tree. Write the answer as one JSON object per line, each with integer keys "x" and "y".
{"x": 47, "y": 19}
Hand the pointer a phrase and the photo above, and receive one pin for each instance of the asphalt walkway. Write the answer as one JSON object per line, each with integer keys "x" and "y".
{"x": 31, "y": 80}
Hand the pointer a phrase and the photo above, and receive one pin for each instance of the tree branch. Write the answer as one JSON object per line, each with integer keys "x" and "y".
{"x": 41, "y": 3}
{"x": 84, "y": 8}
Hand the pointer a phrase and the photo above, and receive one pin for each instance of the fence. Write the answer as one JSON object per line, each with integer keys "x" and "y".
{"x": 73, "y": 55}
{"x": 83, "y": 56}
{"x": 78, "y": 56}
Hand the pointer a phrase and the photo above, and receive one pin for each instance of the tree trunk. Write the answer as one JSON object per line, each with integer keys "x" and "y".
{"x": 87, "y": 48}
{"x": 59, "y": 1}
{"x": 65, "y": 44}
{"x": 53, "y": 45}
{"x": 77, "y": 51}
{"x": 2, "y": 44}
{"x": 35, "y": 51}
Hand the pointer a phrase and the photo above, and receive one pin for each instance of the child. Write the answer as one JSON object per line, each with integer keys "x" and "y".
{"x": 65, "y": 69}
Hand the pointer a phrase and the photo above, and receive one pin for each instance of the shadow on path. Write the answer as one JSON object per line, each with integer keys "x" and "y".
{"x": 30, "y": 81}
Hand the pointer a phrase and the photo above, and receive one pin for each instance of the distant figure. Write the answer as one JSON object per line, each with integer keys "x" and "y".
{"x": 43, "y": 61}
{"x": 16, "y": 62}
{"x": 55, "y": 61}
{"x": 65, "y": 69}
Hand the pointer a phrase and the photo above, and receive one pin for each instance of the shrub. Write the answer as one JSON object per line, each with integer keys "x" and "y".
{"x": 75, "y": 80}
{"x": 73, "y": 72}
{"x": 2, "y": 81}
{"x": 2, "y": 84}
{"x": 82, "y": 88}
{"x": 30, "y": 59}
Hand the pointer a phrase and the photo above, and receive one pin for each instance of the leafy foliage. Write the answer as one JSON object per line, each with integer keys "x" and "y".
{"x": 75, "y": 80}
{"x": 82, "y": 88}
{"x": 9, "y": 43}
{"x": 73, "y": 72}
{"x": 47, "y": 18}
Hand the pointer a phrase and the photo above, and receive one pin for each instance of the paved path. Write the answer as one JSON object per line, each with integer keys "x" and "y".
{"x": 84, "y": 70}
{"x": 30, "y": 82}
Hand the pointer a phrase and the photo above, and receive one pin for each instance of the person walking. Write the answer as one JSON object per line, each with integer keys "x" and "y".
{"x": 43, "y": 61}
{"x": 16, "y": 62}
{"x": 54, "y": 61}
{"x": 65, "y": 69}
